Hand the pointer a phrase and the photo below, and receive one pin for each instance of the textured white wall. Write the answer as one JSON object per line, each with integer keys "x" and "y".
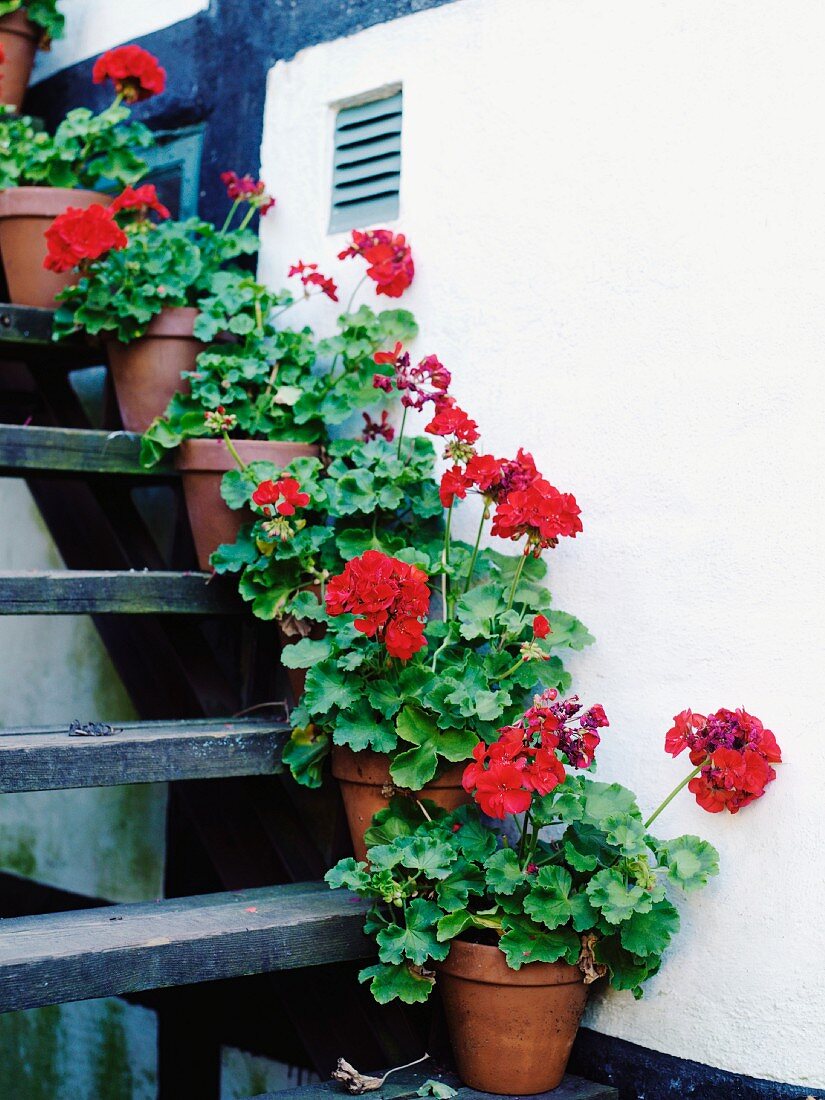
{"x": 93, "y": 26}
{"x": 617, "y": 216}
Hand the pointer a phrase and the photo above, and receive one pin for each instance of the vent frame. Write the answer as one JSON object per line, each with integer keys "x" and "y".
{"x": 366, "y": 161}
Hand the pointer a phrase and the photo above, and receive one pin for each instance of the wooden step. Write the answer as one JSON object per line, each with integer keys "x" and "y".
{"x": 54, "y": 958}
{"x": 73, "y": 451}
{"x": 132, "y": 592}
{"x": 48, "y": 758}
{"x": 407, "y": 1083}
{"x": 26, "y": 333}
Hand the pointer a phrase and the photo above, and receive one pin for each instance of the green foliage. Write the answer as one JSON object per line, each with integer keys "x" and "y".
{"x": 437, "y": 877}
{"x": 87, "y": 150}
{"x": 44, "y": 13}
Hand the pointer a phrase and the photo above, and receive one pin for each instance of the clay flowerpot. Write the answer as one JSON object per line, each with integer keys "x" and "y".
{"x": 149, "y": 370}
{"x": 19, "y": 38}
{"x": 25, "y": 215}
{"x": 511, "y": 1030}
{"x": 202, "y": 463}
{"x": 367, "y": 787}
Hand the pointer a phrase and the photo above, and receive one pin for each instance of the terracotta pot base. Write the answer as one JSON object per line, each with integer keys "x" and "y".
{"x": 511, "y": 1030}
{"x": 25, "y": 215}
{"x": 18, "y": 42}
{"x": 366, "y": 787}
{"x": 202, "y": 463}
{"x": 149, "y": 371}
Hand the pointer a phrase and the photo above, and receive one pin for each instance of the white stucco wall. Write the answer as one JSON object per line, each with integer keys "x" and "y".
{"x": 93, "y": 26}
{"x": 617, "y": 216}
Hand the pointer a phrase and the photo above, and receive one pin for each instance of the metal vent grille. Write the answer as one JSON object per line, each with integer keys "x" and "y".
{"x": 366, "y": 173}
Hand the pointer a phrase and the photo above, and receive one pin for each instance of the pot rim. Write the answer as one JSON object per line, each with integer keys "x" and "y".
{"x": 485, "y": 965}
{"x": 18, "y": 22}
{"x": 46, "y": 202}
{"x": 212, "y": 455}
{"x": 367, "y": 768}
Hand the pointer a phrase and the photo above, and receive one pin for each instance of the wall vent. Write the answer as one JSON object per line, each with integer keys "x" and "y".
{"x": 366, "y": 169}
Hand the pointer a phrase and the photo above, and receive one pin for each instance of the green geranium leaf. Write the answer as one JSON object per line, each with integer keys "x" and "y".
{"x": 503, "y": 872}
{"x": 525, "y": 942}
{"x": 453, "y": 892}
{"x": 608, "y": 801}
{"x": 567, "y": 631}
{"x": 304, "y": 755}
{"x": 383, "y": 697}
{"x": 582, "y": 914}
{"x": 414, "y": 768}
{"x": 453, "y": 924}
{"x": 390, "y": 982}
{"x": 548, "y": 900}
{"x": 627, "y": 833}
{"x": 690, "y": 861}
{"x": 328, "y": 687}
{"x": 401, "y": 818}
{"x": 616, "y": 895}
{"x": 627, "y": 971}
{"x": 585, "y": 847}
{"x": 476, "y": 610}
{"x": 305, "y": 653}
{"x": 349, "y": 874}
{"x": 427, "y": 855}
{"x": 416, "y": 939}
{"x": 650, "y": 933}
{"x": 437, "y": 1089}
{"x": 365, "y": 732}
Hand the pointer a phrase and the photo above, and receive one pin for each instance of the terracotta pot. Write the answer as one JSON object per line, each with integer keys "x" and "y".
{"x": 25, "y": 215}
{"x": 19, "y": 38}
{"x": 511, "y": 1030}
{"x": 202, "y": 463}
{"x": 366, "y": 787}
{"x": 148, "y": 371}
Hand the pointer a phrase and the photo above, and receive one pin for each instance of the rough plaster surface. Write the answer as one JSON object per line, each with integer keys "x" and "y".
{"x": 617, "y": 217}
{"x": 93, "y": 26}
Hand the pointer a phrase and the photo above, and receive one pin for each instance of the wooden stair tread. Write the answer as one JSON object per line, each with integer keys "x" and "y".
{"x": 55, "y": 958}
{"x": 112, "y": 592}
{"x": 47, "y": 758}
{"x": 73, "y": 450}
{"x": 26, "y": 333}
{"x": 407, "y": 1083}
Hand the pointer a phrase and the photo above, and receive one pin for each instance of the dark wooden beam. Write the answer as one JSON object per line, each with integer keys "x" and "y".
{"x": 46, "y": 759}
{"x": 54, "y": 958}
{"x": 73, "y": 451}
{"x": 26, "y": 333}
{"x": 99, "y": 592}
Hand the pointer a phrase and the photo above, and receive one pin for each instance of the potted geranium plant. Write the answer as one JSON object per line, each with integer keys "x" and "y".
{"x": 41, "y": 175}
{"x": 24, "y": 25}
{"x": 517, "y": 920}
{"x": 139, "y": 289}
{"x": 256, "y": 402}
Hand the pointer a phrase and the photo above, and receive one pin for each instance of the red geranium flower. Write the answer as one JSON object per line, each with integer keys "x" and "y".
{"x": 484, "y": 471}
{"x": 453, "y": 484}
{"x": 499, "y": 791}
{"x": 541, "y": 626}
{"x": 731, "y": 779}
{"x": 140, "y": 199}
{"x": 386, "y": 357}
{"x": 389, "y": 257}
{"x": 375, "y": 428}
{"x": 451, "y": 420}
{"x": 135, "y": 73}
{"x": 311, "y": 276}
{"x": 540, "y": 512}
{"x": 79, "y": 235}
{"x": 287, "y": 491}
{"x": 247, "y": 189}
{"x": 390, "y": 597}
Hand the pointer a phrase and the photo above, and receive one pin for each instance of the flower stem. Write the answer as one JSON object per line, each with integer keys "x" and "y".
{"x": 673, "y": 794}
{"x": 230, "y": 446}
{"x": 401, "y": 431}
{"x": 511, "y": 670}
{"x": 247, "y": 218}
{"x": 516, "y": 579}
{"x": 230, "y": 215}
{"x": 445, "y": 561}
{"x": 525, "y": 825}
{"x": 358, "y": 286}
{"x": 485, "y": 515}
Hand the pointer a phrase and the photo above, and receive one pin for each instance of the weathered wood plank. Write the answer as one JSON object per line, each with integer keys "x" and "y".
{"x": 47, "y": 758}
{"x": 407, "y": 1083}
{"x": 26, "y": 333}
{"x": 72, "y": 451}
{"x": 54, "y": 958}
{"x": 131, "y": 592}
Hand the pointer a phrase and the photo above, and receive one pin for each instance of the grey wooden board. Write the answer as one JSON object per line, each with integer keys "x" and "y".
{"x": 70, "y": 450}
{"x": 54, "y": 958}
{"x": 47, "y": 758}
{"x": 26, "y": 332}
{"x": 406, "y": 1084}
{"x": 132, "y": 592}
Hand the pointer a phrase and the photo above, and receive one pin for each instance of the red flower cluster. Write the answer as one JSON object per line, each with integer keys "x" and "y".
{"x": 375, "y": 428}
{"x": 540, "y": 512}
{"x": 390, "y": 598}
{"x": 524, "y": 761}
{"x": 428, "y": 381}
{"x": 311, "y": 276}
{"x": 135, "y": 73}
{"x": 389, "y": 257}
{"x": 247, "y": 189}
{"x": 451, "y": 420}
{"x": 140, "y": 200}
{"x": 735, "y": 751}
{"x": 285, "y": 494}
{"x": 81, "y": 235}
{"x": 482, "y": 472}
